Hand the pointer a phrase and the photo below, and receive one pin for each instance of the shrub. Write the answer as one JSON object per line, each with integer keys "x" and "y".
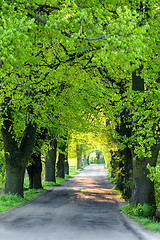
{"x": 139, "y": 210}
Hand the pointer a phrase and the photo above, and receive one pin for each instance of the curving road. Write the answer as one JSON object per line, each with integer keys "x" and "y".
{"x": 83, "y": 208}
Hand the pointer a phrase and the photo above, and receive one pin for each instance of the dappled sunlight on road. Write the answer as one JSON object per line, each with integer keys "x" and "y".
{"x": 89, "y": 189}
{"x": 96, "y": 195}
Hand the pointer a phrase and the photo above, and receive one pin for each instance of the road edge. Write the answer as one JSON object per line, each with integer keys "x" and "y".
{"x": 142, "y": 232}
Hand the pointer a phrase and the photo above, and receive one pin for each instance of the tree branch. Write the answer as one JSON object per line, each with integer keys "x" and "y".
{"x": 37, "y": 18}
{"x": 28, "y": 140}
{"x": 91, "y": 39}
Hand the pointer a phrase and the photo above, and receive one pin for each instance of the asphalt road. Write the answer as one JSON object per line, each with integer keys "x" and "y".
{"x": 83, "y": 208}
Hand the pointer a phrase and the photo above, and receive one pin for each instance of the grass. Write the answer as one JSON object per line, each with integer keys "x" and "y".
{"x": 148, "y": 223}
{"x": 10, "y": 201}
{"x": 142, "y": 214}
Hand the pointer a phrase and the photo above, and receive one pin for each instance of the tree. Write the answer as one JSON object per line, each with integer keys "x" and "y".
{"x": 50, "y": 161}
{"x": 16, "y": 157}
{"x": 116, "y": 39}
{"x": 34, "y": 168}
{"x": 61, "y": 158}
{"x": 29, "y": 83}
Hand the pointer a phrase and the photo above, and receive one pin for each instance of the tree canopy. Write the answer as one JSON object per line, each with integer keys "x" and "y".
{"x": 65, "y": 63}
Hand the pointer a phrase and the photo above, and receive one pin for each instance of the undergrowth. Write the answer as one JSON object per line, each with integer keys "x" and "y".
{"x": 143, "y": 214}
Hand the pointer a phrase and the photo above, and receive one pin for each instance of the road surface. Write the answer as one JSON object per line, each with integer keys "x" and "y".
{"x": 82, "y": 208}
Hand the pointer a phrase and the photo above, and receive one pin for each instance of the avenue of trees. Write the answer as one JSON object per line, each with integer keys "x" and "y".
{"x": 67, "y": 64}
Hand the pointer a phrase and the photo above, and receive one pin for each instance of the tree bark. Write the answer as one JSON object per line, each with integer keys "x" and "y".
{"x": 50, "y": 162}
{"x": 79, "y": 155}
{"x": 143, "y": 188}
{"x": 66, "y": 163}
{"x": 35, "y": 167}
{"x": 88, "y": 160}
{"x": 114, "y": 162}
{"x": 126, "y": 154}
{"x": 14, "y": 178}
{"x": 85, "y": 159}
{"x": 34, "y": 171}
{"x": 16, "y": 158}
{"x": 61, "y": 160}
{"x": 60, "y": 166}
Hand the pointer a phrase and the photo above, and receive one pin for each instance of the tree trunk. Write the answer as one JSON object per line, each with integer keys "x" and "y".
{"x": 128, "y": 170}
{"x": 79, "y": 155}
{"x": 126, "y": 155}
{"x": 50, "y": 162}
{"x": 88, "y": 160}
{"x": 35, "y": 167}
{"x": 114, "y": 163}
{"x": 79, "y": 163}
{"x": 60, "y": 165}
{"x": 143, "y": 187}
{"x": 120, "y": 170}
{"x": 16, "y": 158}
{"x": 98, "y": 157}
{"x": 14, "y": 178}
{"x": 66, "y": 167}
{"x": 35, "y": 171}
{"x": 85, "y": 159}
{"x": 61, "y": 159}
{"x": 66, "y": 163}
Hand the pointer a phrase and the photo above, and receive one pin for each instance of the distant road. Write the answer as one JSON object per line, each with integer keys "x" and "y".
{"x": 82, "y": 208}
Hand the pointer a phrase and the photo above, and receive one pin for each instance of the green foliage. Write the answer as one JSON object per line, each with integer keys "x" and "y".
{"x": 9, "y": 201}
{"x": 2, "y": 169}
{"x": 139, "y": 210}
{"x": 69, "y": 62}
{"x": 148, "y": 223}
{"x": 32, "y": 193}
{"x": 142, "y": 214}
{"x": 155, "y": 177}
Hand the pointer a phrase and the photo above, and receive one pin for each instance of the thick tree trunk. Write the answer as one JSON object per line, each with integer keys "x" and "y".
{"x": 35, "y": 167}
{"x": 128, "y": 172}
{"x": 66, "y": 167}
{"x": 114, "y": 163}
{"x": 143, "y": 187}
{"x": 79, "y": 163}
{"x": 50, "y": 162}
{"x": 126, "y": 154}
{"x": 61, "y": 159}
{"x": 60, "y": 165}
{"x": 14, "y": 178}
{"x": 35, "y": 171}
{"x": 16, "y": 158}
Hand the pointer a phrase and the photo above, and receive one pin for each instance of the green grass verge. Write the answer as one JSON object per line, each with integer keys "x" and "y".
{"x": 142, "y": 214}
{"x": 148, "y": 223}
{"x": 10, "y": 201}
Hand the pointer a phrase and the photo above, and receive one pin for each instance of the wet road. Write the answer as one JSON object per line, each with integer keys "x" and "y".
{"x": 83, "y": 208}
